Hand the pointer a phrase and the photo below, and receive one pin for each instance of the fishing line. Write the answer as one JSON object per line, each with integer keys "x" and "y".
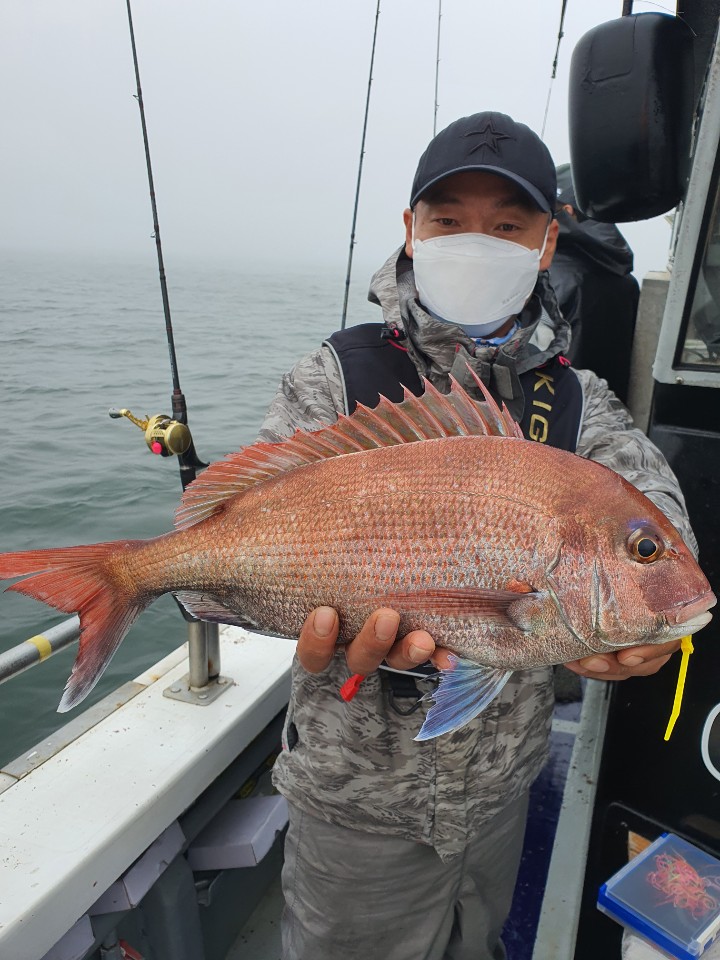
{"x": 359, "y": 176}
{"x": 188, "y": 461}
{"x": 560, "y": 35}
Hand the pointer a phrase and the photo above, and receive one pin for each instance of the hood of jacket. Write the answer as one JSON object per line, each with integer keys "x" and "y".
{"x": 441, "y": 349}
{"x": 597, "y": 245}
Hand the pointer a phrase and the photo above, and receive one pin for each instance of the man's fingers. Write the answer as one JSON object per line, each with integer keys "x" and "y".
{"x": 316, "y": 644}
{"x": 370, "y": 647}
{"x": 636, "y": 662}
{"x": 412, "y": 650}
{"x": 634, "y": 656}
{"x": 375, "y": 642}
{"x": 441, "y": 659}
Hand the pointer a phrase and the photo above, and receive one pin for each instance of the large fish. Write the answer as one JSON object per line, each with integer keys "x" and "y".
{"x": 510, "y": 553}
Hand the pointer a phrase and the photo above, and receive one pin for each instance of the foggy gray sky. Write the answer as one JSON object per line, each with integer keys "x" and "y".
{"x": 255, "y": 117}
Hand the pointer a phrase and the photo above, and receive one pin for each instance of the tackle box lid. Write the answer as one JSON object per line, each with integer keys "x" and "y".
{"x": 669, "y": 894}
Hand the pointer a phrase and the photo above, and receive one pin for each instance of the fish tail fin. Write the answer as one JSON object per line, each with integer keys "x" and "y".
{"x": 82, "y": 580}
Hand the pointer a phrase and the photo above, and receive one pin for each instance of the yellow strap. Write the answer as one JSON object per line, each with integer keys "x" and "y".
{"x": 687, "y": 648}
{"x": 42, "y": 644}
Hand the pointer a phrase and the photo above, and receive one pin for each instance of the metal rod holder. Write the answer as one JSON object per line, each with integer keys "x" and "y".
{"x": 198, "y": 654}
{"x": 203, "y": 683}
{"x": 212, "y": 632}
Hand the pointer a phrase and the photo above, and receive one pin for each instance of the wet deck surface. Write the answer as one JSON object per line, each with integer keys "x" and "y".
{"x": 260, "y": 937}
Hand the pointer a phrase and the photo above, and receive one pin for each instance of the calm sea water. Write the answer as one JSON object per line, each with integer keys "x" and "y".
{"x": 79, "y": 337}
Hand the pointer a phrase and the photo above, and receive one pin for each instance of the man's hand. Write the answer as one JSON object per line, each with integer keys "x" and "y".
{"x": 640, "y": 661}
{"x": 377, "y": 641}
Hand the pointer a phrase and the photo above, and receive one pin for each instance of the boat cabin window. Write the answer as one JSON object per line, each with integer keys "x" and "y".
{"x": 688, "y": 350}
{"x": 701, "y": 343}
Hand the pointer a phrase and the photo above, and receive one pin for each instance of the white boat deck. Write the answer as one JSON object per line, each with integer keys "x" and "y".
{"x": 66, "y": 834}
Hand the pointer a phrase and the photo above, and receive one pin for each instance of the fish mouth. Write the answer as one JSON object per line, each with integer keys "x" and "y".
{"x": 692, "y": 615}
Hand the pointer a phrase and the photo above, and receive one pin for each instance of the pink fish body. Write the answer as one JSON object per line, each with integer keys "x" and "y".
{"x": 510, "y": 553}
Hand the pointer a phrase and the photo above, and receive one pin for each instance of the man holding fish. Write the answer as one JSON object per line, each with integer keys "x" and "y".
{"x": 401, "y": 849}
{"x": 421, "y": 513}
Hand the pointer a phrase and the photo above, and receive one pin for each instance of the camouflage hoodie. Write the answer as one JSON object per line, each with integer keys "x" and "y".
{"x": 356, "y": 764}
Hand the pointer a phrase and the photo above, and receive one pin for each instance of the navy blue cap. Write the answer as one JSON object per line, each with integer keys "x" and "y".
{"x": 493, "y": 142}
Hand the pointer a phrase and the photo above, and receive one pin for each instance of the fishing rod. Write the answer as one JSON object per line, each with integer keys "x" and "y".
{"x": 437, "y": 67}
{"x": 359, "y": 176}
{"x": 164, "y": 435}
{"x": 560, "y": 36}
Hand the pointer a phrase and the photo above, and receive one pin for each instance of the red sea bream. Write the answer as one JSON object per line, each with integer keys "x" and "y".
{"x": 512, "y": 554}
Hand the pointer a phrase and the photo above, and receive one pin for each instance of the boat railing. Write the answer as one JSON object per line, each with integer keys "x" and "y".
{"x": 43, "y": 645}
{"x": 201, "y": 685}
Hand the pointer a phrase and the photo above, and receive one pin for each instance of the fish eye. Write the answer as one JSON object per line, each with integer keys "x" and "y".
{"x": 645, "y": 546}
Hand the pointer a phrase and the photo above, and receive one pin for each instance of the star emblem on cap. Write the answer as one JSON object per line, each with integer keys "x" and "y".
{"x": 490, "y": 138}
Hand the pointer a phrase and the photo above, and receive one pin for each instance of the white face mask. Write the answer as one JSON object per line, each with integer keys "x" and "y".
{"x": 473, "y": 279}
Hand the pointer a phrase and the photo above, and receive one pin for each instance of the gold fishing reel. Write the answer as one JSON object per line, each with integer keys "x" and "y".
{"x": 165, "y": 437}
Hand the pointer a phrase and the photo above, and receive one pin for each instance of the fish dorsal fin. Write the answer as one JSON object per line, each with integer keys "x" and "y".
{"x": 428, "y": 417}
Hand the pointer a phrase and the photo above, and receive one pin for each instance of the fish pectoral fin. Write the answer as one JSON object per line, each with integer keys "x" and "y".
{"x": 454, "y": 601}
{"x": 529, "y": 608}
{"x": 203, "y": 606}
{"x": 464, "y": 691}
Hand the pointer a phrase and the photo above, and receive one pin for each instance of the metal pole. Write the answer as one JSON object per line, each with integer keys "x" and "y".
{"x": 37, "y": 648}
{"x": 110, "y": 947}
{"x": 203, "y": 683}
{"x": 198, "y": 655}
{"x": 359, "y": 176}
{"x": 212, "y": 632}
{"x": 203, "y": 642}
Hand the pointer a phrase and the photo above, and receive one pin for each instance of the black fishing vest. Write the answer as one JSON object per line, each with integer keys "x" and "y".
{"x": 373, "y": 363}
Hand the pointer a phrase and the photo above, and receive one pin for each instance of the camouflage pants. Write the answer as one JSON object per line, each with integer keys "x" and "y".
{"x": 352, "y": 895}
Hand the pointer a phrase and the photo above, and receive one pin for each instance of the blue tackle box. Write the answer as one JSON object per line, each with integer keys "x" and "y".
{"x": 670, "y": 895}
